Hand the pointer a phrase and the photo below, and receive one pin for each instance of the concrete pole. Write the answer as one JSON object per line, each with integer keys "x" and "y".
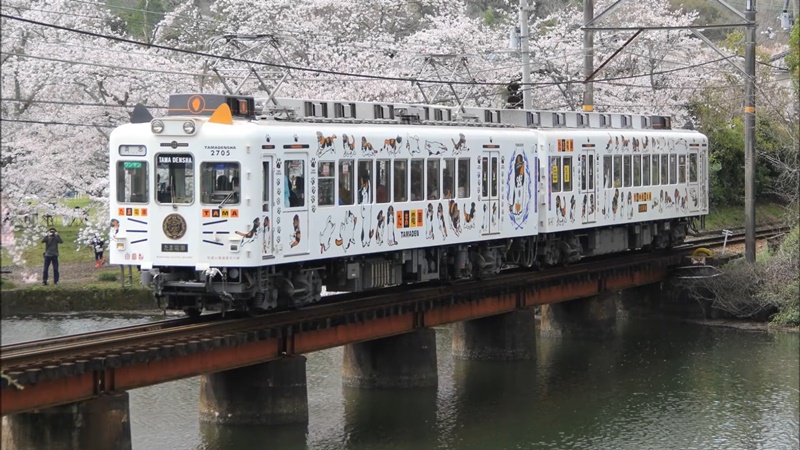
{"x": 588, "y": 56}
{"x": 749, "y": 134}
{"x": 525, "y": 53}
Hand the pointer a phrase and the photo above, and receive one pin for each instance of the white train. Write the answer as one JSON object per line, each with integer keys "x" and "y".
{"x": 232, "y": 203}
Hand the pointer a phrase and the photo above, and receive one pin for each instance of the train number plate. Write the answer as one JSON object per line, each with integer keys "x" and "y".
{"x": 175, "y": 248}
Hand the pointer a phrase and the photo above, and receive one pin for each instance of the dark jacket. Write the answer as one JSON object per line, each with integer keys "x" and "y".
{"x": 51, "y": 244}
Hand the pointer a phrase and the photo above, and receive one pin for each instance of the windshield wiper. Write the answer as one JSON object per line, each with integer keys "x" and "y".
{"x": 225, "y": 200}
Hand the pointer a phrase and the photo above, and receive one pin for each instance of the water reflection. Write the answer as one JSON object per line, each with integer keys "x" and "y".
{"x": 225, "y": 437}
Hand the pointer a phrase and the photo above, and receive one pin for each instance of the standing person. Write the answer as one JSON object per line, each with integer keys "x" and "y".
{"x": 97, "y": 244}
{"x": 51, "y": 242}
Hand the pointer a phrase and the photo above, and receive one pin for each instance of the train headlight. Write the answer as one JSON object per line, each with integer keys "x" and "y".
{"x": 188, "y": 127}
{"x": 233, "y": 273}
{"x": 157, "y": 126}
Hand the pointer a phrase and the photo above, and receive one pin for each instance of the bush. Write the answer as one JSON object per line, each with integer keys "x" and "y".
{"x": 5, "y": 284}
{"x": 108, "y": 276}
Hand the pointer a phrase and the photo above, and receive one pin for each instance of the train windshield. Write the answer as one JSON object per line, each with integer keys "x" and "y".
{"x": 175, "y": 178}
{"x": 132, "y": 182}
{"x": 220, "y": 181}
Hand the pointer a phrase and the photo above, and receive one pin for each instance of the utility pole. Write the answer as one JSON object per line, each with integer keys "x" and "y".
{"x": 749, "y": 134}
{"x": 525, "y": 54}
{"x": 588, "y": 55}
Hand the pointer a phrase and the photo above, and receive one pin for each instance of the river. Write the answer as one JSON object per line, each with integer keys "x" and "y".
{"x": 657, "y": 384}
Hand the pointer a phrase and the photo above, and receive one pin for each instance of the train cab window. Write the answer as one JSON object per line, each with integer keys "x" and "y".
{"x": 617, "y": 171}
{"x": 567, "y": 178}
{"x": 217, "y": 183}
{"x": 607, "y": 171}
{"x": 401, "y": 180}
{"x": 673, "y": 169}
{"x": 432, "y": 183}
{"x": 555, "y": 170}
{"x": 294, "y": 182}
{"x": 463, "y": 178}
{"x": 417, "y": 172}
{"x": 682, "y": 169}
{"x": 449, "y": 178}
{"x": 346, "y": 182}
{"x": 175, "y": 178}
{"x": 646, "y": 170}
{"x": 693, "y": 168}
{"x": 664, "y": 169}
{"x": 132, "y": 182}
{"x": 637, "y": 170}
{"x": 627, "y": 172}
{"x": 326, "y": 174}
{"x": 365, "y": 181}
{"x": 383, "y": 180}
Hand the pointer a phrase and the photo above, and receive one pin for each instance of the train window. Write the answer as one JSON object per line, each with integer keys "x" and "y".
{"x": 637, "y": 170}
{"x": 383, "y": 180}
{"x": 693, "y": 168}
{"x": 417, "y": 172}
{"x": 401, "y": 180}
{"x": 617, "y": 171}
{"x": 567, "y": 162}
{"x": 463, "y": 178}
{"x": 655, "y": 171}
{"x": 132, "y": 182}
{"x": 346, "y": 182}
{"x": 295, "y": 183}
{"x": 664, "y": 169}
{"x": 432, "y": 184}
{"x": 326, "y": 173}
{"x": 219, "y": 181}
{"x": 682, "y": 169}
{"x": 175, "y": 178}
{"x": 673, "y": 169}
{"x": 607, "y": 170}
{"x": 646, "y": 170}
{"x": 627, "y": 173}
{"x": 485, "y": 177}
{"x": 449, "y": 178}
{"x": 495, "y": 181}
{"x": 583, "y": 172}
{"x": 555, "y": 170}
{"x": 590, "y": 174}
{"x": 266, "y": 174}
{"x": 364, "y": 181}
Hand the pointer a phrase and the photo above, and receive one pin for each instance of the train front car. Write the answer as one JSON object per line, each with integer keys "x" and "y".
{"x": 179, "y": 203}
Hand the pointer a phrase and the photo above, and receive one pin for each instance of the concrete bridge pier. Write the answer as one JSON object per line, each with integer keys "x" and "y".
{"x": 504, "y": 337}
{"x": 271, "y": 393}
{"x": 102, "y": 422}
{"x": 402, "y": 361}
{"x": 586, "y": 317}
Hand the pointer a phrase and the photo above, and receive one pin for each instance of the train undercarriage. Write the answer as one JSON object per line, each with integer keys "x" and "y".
{"x": 257, "y": 289}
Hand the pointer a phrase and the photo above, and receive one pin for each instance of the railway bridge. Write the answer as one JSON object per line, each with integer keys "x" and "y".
{"x": 252, "y": 368}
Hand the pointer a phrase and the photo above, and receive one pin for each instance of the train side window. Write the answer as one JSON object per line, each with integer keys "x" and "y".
{"x": 326, "y": 174}
{"x": 383, "y": 181}
{"x": 693, "y": 168}
{"x": 627, "y": 173}
{"x": 655, "y": 171}
{"x": 220, "y": 181}
{"x": 555, "y": 170}
{"x": 637, "y": 170}
{"x": 664, "y": 169}
{"x": 584, "y": 172}
{"x": 673, "y": 169}
{"x": 618, "y": 171}
{"x": 432, "y": 184}
{"x": 132, "y": 182}
{"x": 401, "y": 180}
{"x": 364, "y": 181}
{"x": 607, "y": 171}
{"x": 417, "y": 172}
{"x": 567, "y": 178}
{"x": 449, "y": 178}
{"x": 495, "y": 180}
{"x": 175, "y": 178}
{"x": 266, "y": 174}
{"x": 295, "y": 183}
{"x": 346, "y": 182}
{"x": 485, "y": 177}
{"x": 590, "y": 175}
{"x": 682, "y": 169}
{"x": 463, "y": 178}
{"x": 646, "y": 170}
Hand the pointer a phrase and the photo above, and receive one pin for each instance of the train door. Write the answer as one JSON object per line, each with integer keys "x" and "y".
{"x": 587, "y": 187}
{"x": 490, "y": 192}
{"x": 693, "y": 181}
{"x": 294, "y": 232}
{"x": 267, "y": 220}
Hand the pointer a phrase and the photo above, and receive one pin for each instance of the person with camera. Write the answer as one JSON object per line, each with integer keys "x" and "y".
{"x": 51, "y": 241}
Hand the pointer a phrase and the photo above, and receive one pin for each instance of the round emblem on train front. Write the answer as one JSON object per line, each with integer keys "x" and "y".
{"x": 174, "y": 226}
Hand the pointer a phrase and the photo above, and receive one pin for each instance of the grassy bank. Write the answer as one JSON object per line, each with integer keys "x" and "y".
{"x": 732, "y": 217}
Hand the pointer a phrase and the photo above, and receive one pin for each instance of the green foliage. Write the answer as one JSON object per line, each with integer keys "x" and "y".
{"x": 793, "y": 58}
{"x": 140, "y": 17}
{"x": 108, "y": 276}
{"x": 783, "y": 290}
{"x": 5, "y": 284}
{"x": 489, "y": 16}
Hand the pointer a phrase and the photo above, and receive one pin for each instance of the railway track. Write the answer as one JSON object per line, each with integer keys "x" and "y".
{"x": 29, "y": 361}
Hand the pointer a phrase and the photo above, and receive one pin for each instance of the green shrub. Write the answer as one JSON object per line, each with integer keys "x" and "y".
{"x": 5, "y": 284}
{"x": 108, "y": 276}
